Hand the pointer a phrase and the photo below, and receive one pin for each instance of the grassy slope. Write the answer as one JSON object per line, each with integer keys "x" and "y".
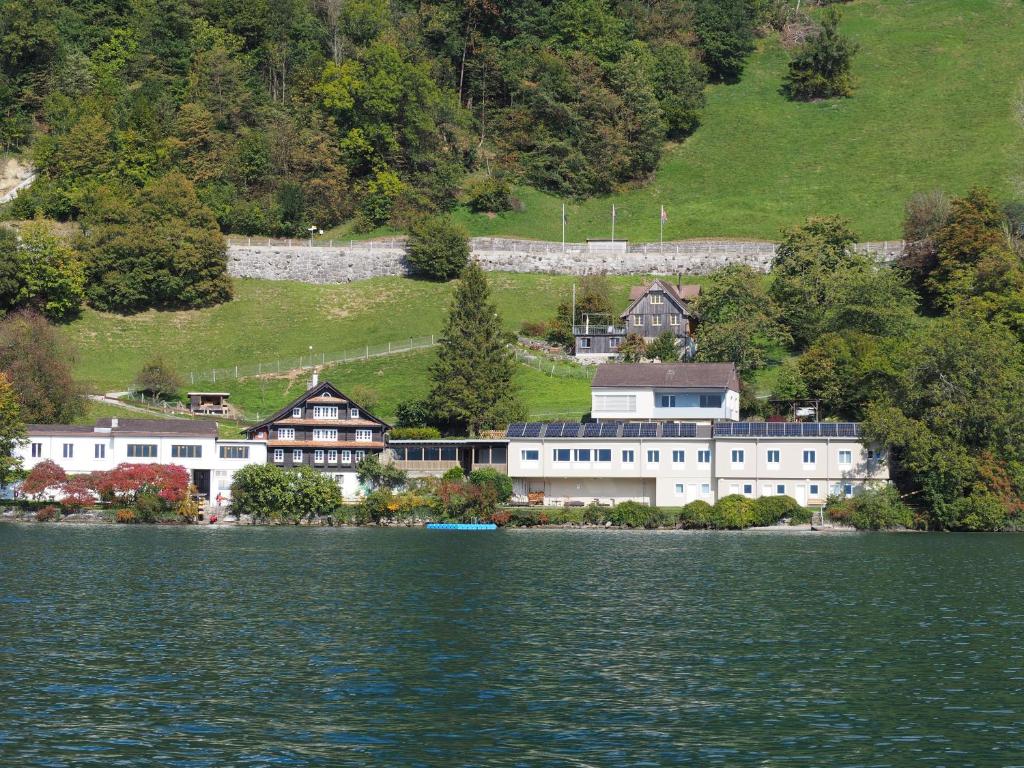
{"x": 933, "y": 109}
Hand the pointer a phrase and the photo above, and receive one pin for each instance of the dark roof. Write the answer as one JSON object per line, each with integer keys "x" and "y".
{"x": 58, "y": 429}
{"x": 667, "y": 375}
{"x": 681, "y": 292}
{"x": 154, "y": 427}
{"x": 325, "y": 390}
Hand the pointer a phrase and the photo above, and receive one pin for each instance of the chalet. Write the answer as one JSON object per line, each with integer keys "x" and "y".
{"x": 653, "y": 309}
{"x": 325, "y": 430}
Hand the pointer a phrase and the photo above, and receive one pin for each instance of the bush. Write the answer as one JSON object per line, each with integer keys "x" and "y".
{"x": 500, "y": 482}
{"x": 437, "y": 248}
{"x": 800, "y": 516}
{"x": 873, "y": 510}
{"x": 46, "y": 514}
{"x": 149, "y": 507}
{"x": 415, "y": 433}
{"x": 696, "y": 514}
{"x": 768, "y": 510}
{"x": 489, "y": 195}
{"x": 454, "y": 475}
{"x": 125, "y": 516}
{"x": 413, "y": 413}
{"x": 536, "y": 329}
{"x": 980, "y": 512}
{"x": 733, "y": 512}
{"x": 633, "y": 514}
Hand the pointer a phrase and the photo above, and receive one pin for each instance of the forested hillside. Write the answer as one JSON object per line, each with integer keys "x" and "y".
{"x": 290, "y": 113}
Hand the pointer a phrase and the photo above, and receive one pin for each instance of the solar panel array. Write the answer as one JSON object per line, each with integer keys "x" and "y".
{"x": 679, "y": 430}
{"x": 647, "y": 430}
{"x": 787, "y": 429}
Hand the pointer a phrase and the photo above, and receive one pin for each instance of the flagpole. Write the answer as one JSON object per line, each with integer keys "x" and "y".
{"x": 613, "y": 223}
{"x": 563, "y": 227}
{"x": 661, "y": 233}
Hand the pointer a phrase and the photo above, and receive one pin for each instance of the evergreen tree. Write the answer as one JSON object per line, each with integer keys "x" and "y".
{"x": 472, "y": 378}
{"x": 820, "y": 69}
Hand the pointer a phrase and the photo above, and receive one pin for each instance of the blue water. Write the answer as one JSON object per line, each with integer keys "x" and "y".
{"x": 133, "y": 646}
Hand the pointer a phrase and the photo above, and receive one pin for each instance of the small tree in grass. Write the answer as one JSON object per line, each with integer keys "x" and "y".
{"x": 437, "y": 248}
{"x": 664, "y": 348}
{"x": 820, "y": 68}
{"x": 158, "y": 379}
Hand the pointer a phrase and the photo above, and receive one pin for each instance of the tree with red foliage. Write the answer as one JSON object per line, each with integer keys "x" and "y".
{"x": 45, "y": 474}
{"x": 126, "y": 481}
{"x": 77, "y": 491}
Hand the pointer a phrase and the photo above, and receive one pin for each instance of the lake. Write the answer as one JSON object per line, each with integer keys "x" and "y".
{"x": 136, "y": 646}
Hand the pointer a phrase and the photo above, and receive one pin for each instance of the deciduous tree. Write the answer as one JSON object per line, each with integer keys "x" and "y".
{"x": 12, "y": 432}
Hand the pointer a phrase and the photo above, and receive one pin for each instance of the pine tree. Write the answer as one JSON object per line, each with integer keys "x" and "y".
{"x": 472, "y": 378}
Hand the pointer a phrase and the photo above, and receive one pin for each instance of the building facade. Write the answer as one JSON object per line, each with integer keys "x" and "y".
{"x": 325, "y": 430}
{"x": 431, "y": 458}
{"x": 194, "y": 445}
{"x": 699, "y": 392}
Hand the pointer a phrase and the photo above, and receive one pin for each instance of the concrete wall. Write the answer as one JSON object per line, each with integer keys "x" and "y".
{"x": 344, "y": 263}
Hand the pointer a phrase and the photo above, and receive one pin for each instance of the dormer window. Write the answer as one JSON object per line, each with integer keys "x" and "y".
{"x": 657, "y": 298}
{"x": 297, "y": 413}
{"x": 325, "y": 412}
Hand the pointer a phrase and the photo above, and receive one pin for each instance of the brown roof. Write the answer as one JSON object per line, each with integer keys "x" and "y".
{"x": 681, "y": 292}
{"x": 326, "y": 399}
{"x": 694, "y": 375}
{"x": 142, "y": 427}
{"x": 328, "y": 422}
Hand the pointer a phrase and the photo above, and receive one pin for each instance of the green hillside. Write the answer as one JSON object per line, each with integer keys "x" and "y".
{"x": 936, "y": 82}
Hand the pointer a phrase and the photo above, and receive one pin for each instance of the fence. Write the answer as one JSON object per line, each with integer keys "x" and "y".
{"x": 287, "y": 364}
{"x": 558, "y": 368}
{"x": 379, "y": 243}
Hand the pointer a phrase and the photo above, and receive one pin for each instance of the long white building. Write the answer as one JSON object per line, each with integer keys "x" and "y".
{"x": 194, "y": 445}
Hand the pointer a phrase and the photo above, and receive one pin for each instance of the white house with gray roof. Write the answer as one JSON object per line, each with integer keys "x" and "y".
{"x": 698, "y": 392}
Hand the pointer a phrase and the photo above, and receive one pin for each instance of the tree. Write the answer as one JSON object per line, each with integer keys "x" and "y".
{"x": 739, "y": 322}
{"x": 158, "y": 379}
{"x": 269, "y": 492}
{"x": 500, "y": 483}
{"x": 925, "y": 214}
{"x": 41, "y": 272}
{"x": 664, "y": 348}
{"x": 633, "y": 348}
{"x": 37, "y": 362}
{"x": 375, "y": 474}
{"x": 12, "y": 432}
{"x": 868, "y": 298}
{"x": 805, "y": 262}
{"x": 592, "y": 298}
{"x": 158, "y": 248}
{"x": 820, "y": 68}
{"x": 726, "y": 32}
{"x": 437, "y": 248}
{"x": 679, "y": 80}
{"x": 45, "y": 474}
{"x": 472, "y": 386}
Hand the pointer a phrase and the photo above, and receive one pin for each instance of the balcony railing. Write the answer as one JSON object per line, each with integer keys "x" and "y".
{"x": 593, "y": 329}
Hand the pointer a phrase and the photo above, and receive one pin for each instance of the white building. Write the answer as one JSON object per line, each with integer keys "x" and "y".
{"x": 194, "y": 445}
{"x": 692, "y": 392}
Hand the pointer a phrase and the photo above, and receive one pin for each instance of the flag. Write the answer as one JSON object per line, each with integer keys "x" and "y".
{"x": 664, "y": 216}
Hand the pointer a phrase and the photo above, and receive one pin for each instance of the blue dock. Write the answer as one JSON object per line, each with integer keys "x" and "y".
{"x": 462, "y": 526}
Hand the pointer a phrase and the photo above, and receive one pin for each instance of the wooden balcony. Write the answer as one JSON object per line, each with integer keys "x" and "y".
{"x": 592, "y": 329}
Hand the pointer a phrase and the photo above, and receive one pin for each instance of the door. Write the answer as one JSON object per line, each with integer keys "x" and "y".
{"x": 801, "y": 495}
{"x": 691, "y": 493}
{"x": 201, "y": 480}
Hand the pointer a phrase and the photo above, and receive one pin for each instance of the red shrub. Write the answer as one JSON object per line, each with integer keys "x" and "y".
{"x": 77, "y": 491}
{"x": 45, "y": 474}
{"x": 170, "y": 481}
{"x": 500, "y": 518}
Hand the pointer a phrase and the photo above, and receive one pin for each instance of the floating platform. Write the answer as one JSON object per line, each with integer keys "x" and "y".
{"x": 462, "y": 526}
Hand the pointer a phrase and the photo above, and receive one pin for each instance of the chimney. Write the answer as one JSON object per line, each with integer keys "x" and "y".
{"x": 113, "y": 423}
{"x": 314, "y": 380}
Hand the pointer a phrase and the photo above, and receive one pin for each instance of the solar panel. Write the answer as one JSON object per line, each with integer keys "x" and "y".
{"x": 631, "y": 430}
{"x": 793, "y": 430}
{"x": 648, "y": 430}
{"x": 553, "y": 429}
{"x": 571, "y": 430}
{"x": 847, "y": 430}
{"x": 516, "y": 429}
{"x": 670, "y": 430}
{"x": 610, "y": 430}
{"x": 687, "y": 430}
{"x": 828, "y": 430}
{"x": 532, "y": 429}
{"x": 592, "y": 430}
{"x": 811, "y": 429}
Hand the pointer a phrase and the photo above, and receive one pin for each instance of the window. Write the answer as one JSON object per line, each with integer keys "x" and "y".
{"x": 332, "y": 457}
{"x": 325, "y": 411}
{"x": 628, "y": 457}
{"x": 846, "y": 458}
{"x": 613, "y": 342}
{"x": 297, "y": 456}
{"x": 653, "y": 457}
{"x": 773, "y": 457}
{"x": 680, "y": 489}
{"x": 360, "y": 455}
{"x": 668, "y": 401}
{"x": 703, "y": 457}
{"x": 584, "y": 343}
{"x": 99, "y": 451}
{"x": 705, "y": 489}
{"x": 678, "y": 457}
{"x": 657, "y": 298}
{"x": 346, "y": 457}
{"x": 285, "y": 433}
{"x": 69, "y": 450}
{"x": 531, "y": 455}
{"x": 810, "y": 458}
{"x": 279, "y": 455}
{"x": 615, "y": 403}
{"x": 353, "y": 413}
{"x": 748, "y": 489}
{"x": 561, "y": 454}
{"x": 582, "y": 454}
{"x": 141, "y": 451}
{"x": 364, "y": 435}
{"x": 780, "y": 489}
{"x": 297, "y": 413}
{"x": 710, "y": 401}
{"x": 37, "y": 450}
{"x": 235, "y": 452}
{"x": 602, "y": 454}
{"x": 737, "y": 457}
{"x": 325, "y": 435}
{"x": 812, "y": 491}
{"x": 499, "y": 454}
{"x": 637, "y": 320}
{"x": 318, "y": 456}
{"x": 673, "y": 319}
{"x": 847, "y": 490}
{"x": 186, "y": 452}
{"x": 656, "y": 320}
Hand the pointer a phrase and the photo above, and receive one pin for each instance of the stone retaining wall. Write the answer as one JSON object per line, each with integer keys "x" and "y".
{"x": 362, "y": 260}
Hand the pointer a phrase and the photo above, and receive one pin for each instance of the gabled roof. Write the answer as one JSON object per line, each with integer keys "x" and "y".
{"x": 675, "y": 375}
{"x": 679, "y": 295}
{"x": 321, "y": 393}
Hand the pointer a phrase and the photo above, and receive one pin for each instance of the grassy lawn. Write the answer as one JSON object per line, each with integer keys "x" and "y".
{"x": 268, "y": 320}
{"x": 936, "y": 81}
